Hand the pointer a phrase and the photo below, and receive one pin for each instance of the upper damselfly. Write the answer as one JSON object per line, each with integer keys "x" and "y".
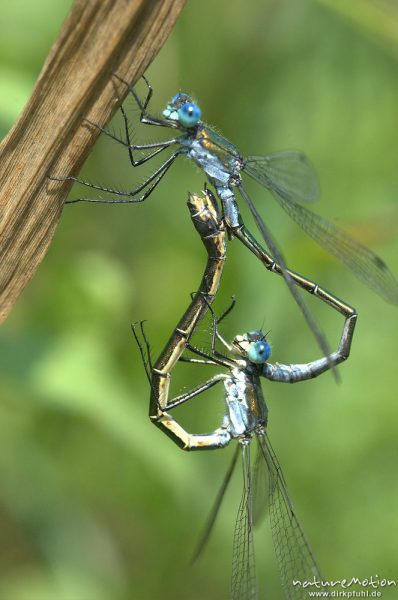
{"x": 287, "y": 175}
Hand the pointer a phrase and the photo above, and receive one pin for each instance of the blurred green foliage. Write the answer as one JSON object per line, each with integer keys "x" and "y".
{"x": 95, "y": 503}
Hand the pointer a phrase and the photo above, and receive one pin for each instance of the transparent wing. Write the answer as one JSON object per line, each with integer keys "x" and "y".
{"x": 243, "y": 582}
{"x": 295, "y": 559}
{"x": 289, "y": 174}
{"x": 260, "y": 487}
{"x": 366, "y": 265}
{"x": 208, "y": 528}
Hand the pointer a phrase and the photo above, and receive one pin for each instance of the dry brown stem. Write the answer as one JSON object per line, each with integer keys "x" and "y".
{"x": 98, "y": 37}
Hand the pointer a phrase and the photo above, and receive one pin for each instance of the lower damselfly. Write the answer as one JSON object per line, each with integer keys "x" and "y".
{"x": 245, "y": 417}
{"x": 287, "y": 175}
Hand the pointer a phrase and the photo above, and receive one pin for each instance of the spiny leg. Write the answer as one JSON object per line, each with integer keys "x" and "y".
{"x": 196, "y": 361}
{"x": 145, "y": 352}
{"x": 141, "y": 105}
{"x": 216, "y": 358}
{"x": 223, "y": 361}
{"x": 149, "y": 94}
{"x": 227, "y": 310}
{"x": 145, "y": 356}
{"x": 156, "y": 177}
{"x": 145, "y": 117}
{"x": 157, "y": 147}
{"x": 216, "y": 334}
{"x": 188, "y": 441}
{"x": 147, "y": 345}
{"x": 160, "y": 145}
{"x": 194, "y": 392}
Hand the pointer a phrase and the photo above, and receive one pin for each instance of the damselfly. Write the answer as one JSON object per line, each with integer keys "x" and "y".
{"x": 245, "y": 417}
{"x": 287, "y": 175}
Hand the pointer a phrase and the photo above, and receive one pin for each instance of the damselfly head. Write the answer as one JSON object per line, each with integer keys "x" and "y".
{"x": 182, "y": 109}
{"x": 253, "y": 346}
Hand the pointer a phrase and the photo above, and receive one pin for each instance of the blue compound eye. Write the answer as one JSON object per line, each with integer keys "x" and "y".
{"x": 189, "y": 114}
{"x": 259, "y": 352}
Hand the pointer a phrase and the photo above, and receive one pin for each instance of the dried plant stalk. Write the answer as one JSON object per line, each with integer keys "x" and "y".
{"x": 98, "y": 37}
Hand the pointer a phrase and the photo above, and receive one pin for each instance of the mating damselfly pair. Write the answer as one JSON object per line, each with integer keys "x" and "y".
{"x": 291, "y": 180}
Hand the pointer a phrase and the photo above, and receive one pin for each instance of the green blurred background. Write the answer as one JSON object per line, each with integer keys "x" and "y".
{"x": 95, "y": 502}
